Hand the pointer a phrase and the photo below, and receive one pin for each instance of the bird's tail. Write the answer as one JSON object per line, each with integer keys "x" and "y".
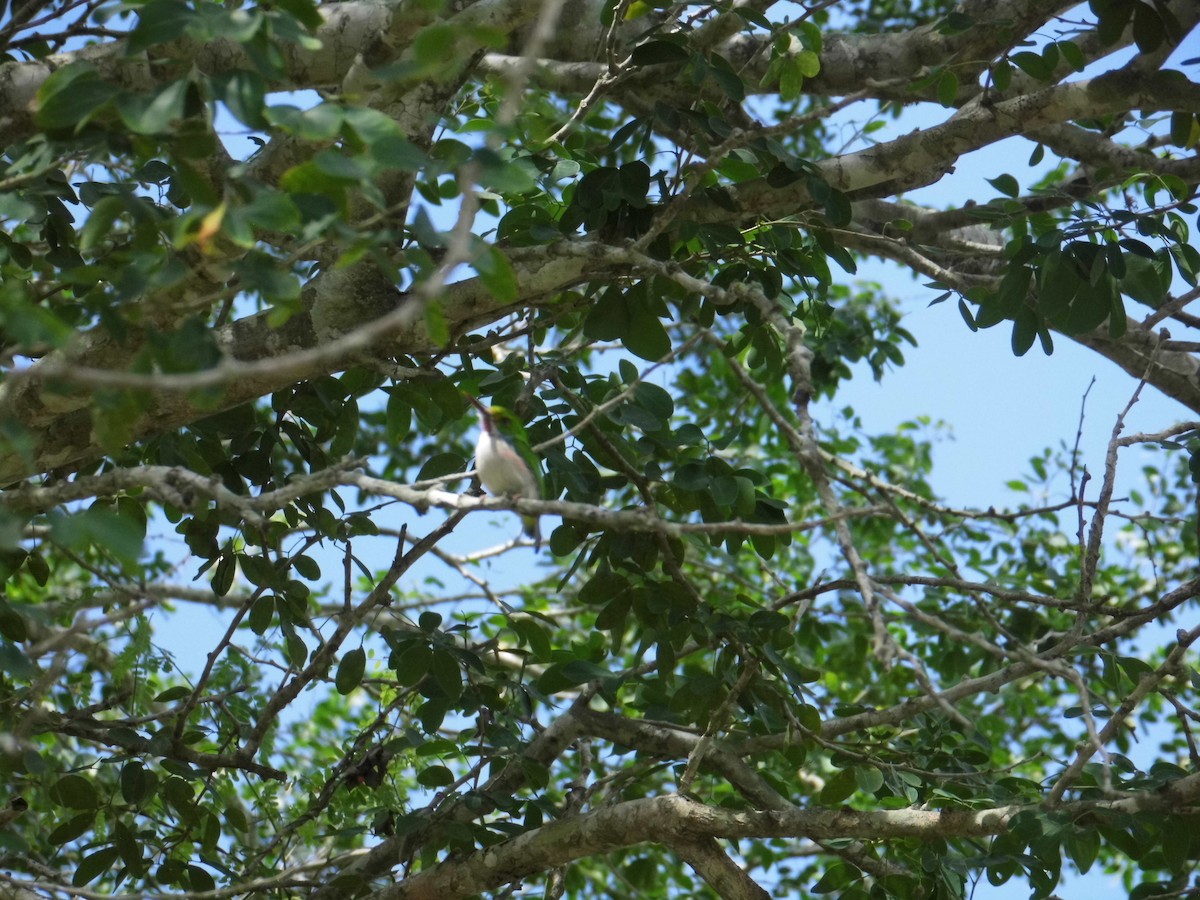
{"x": 534, "y": 530}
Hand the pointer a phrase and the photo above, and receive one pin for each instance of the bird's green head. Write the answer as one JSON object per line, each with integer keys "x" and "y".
{"x": 500, "y": 418}
{"x": 506, "y": 420}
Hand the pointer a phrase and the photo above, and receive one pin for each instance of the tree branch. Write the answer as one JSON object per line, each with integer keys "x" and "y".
{"x": 673, "y": 819}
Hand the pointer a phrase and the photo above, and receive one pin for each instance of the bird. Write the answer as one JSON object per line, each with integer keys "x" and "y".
{"x": 371, "y": 769}
{"x": 505, "y": 462}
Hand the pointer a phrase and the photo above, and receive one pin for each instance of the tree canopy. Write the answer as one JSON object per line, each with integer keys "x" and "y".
{"x": 257, "y": 261}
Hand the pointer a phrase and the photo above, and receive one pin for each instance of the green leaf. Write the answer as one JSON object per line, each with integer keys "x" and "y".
{"x": 318, "y": 123}
{"x": 497, "y": 275}
{"x": 128, "y": 847}
{"x": 396, "y": 152}
{"x": 1113, "y": 16}
{"x": 134, "y": 782}
{"x": 535, "y": 635}
{"x": 1181, "y": 128}
{"x": 36, "y": 565}
{"x": 447, "y": 463}
{"x": 1006, "y": 185}
{"x": 12, "y": 624}
{"x": 947, "y": 88}
{"x": 199, "y": 880}
{"x": 158, "y": 112}
{"x": 271, "y": 210}
{"x": 170, "y": 694}
{"x": 72, "y": 828}
{"x": 729, "y": 81}
{"x": 1046, "y": 340}
{"x": 1092, "y": 307}
{"x": 295, "y": 648}
{"x": 338, "y": 166}
{"x": 159, "y": 21}
{"x": 809, "y": 717}
{"x": 224, "y": 573}
{"x": 837, "y": 877}
{"x": 235, "y": 818}
{"x": 646, "y": 337}
{"x": 868, "y": 779}
{"x": 306, "y": 567}
{"x": 262, "y": 274}
{"x": 1050, "y": 56}
{"x": 790, "y": 73}
{"x": 350, "y": 670}
{"x": 753, "y": 16}
{"x": 435, "y": 777}
{"x": 1117, "y": 322}
{"x": 1025, "y": 330}
{"x": 658, "y": 52}
{"x": 807, "y": 63}
{"x": 412, "y": 663}
{"x": 75, "y": 792}
{"x": 1148, "y": 31}
{"x": 447, "y": 674}
{"x": 602, "y": 587}
{"x": 170, "y": 872}
{"x": 955, "y": 23}
{"x": 614, "y": 616}
{"x": 838, "y": 788}
{"x": 71, "y": 96}
{"x": 965, "y": 312}
{"x": 306, "y": 12}
{"x": 435, "y": 323}
{"x": 1032, "y": 64}
{"x": 399, "y": 418}
{"x": 835, "y": 251}
{"x": 244, "y": 93}
{"x": 572, "y": 673}
{"x": 837, "y": 208}
{"x": 1059, "y": 284}
{"x": 99, "y": 224}
{"x": 783, "y": 174}
{"x": 599, "y": 189}
{"x": 1178, "y": 836}
{"x": 261, "y": 614}
{"x": 610, "y": 316}
{"x": 634, "y": 181}
{"x": 1083, "y": 846}
{"x": 1187, "y": 261}
{"x": 434, "y": 51}
{"x": 655, "y": 400}
{"x": 527, "y": 225}
{"x": 1073, "y": 55}
{"x": 1002, "y": 75}
{"x": 94, "y": 865}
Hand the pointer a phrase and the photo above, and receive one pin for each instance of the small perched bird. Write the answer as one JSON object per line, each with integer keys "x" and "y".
{"x": 371, "y": 769}
{"x": 505, "y": 462}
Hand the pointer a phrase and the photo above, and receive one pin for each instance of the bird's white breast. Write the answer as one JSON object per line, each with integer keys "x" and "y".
{"x": 501, "y": 468}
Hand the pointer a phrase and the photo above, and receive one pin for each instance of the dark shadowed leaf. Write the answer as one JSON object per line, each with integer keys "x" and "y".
{"x": 94, "y": 865}
{"x": 159, "y": 21}
{"x": 350, "y": 670}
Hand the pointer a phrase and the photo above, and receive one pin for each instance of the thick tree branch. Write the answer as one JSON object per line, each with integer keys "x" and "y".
{"x": 674, "y": 819}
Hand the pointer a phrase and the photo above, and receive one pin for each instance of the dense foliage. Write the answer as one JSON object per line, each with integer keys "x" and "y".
{"x": 256, "y": 260}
